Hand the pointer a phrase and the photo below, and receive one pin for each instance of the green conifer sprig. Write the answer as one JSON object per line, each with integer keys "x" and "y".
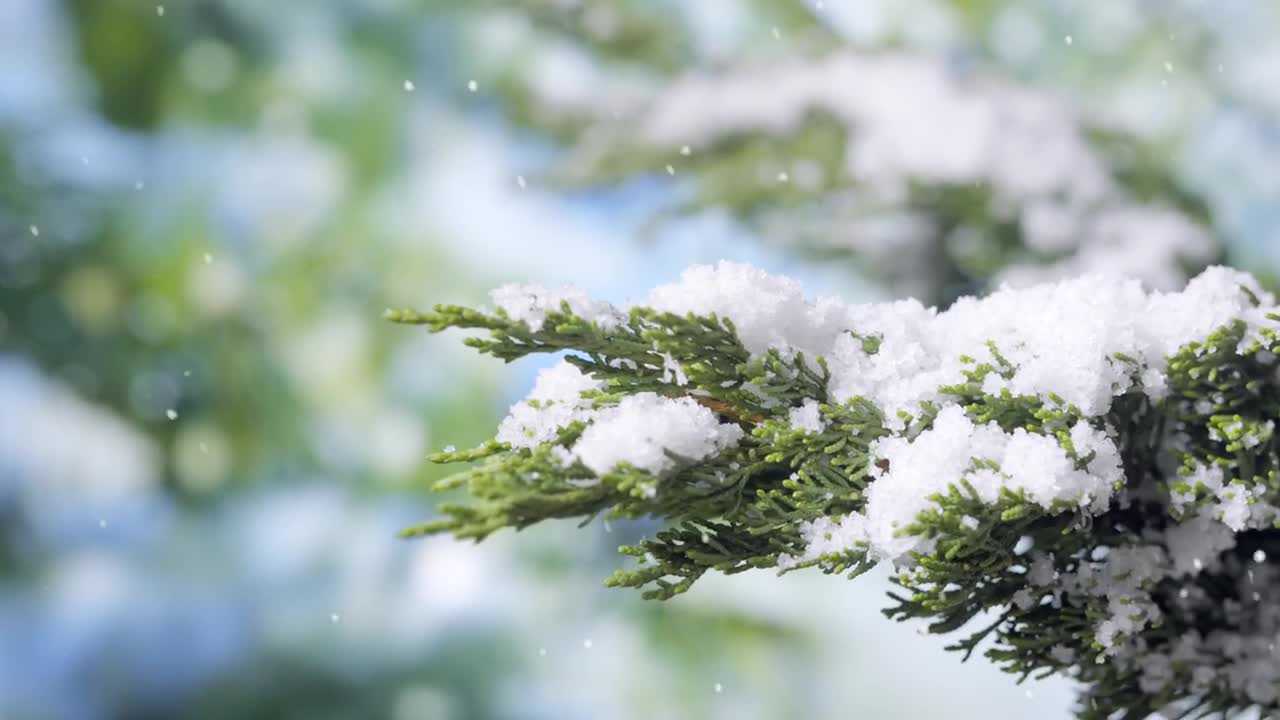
{"x": 740, "y": 510}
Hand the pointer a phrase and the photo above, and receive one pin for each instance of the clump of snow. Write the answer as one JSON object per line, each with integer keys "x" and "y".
{"x": 945, "y": 455}
{"x": 830, "y": 535}
{"x": 1125, "y": 579}
{"x": 555, "y": 402}
{"x": 807, "y": 417}
{"x": 641, "y": 429}
{"x": 1237, "y": 505}
{"x": 767, "y": 311}
{"x": 1060, "y": 338}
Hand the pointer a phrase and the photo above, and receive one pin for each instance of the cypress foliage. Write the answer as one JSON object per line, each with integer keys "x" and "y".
{"x": 1151, "y": 580}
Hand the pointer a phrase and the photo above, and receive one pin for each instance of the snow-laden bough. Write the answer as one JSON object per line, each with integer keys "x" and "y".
{"x": 1086, "y": 469}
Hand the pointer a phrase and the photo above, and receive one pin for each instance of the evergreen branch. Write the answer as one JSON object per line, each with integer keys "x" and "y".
{"x": 1082, "y": 536}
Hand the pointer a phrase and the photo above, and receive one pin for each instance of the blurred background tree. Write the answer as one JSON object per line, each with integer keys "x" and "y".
{"x": 208, "y": 439}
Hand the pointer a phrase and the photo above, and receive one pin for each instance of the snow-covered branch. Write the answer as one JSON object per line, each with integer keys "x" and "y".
{"x": 1089, "y": 466}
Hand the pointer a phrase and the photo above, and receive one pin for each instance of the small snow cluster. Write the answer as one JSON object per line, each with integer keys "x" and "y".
{"x": 644, "y": 429}
{"x": 807, "y": 417}
{"x": 555, "y": 402}
{"x": 641, "y": 430}
{"x": 767, "y": 311}
{"x": 944, "y": 455}
{"x": 1235, "y": 504}
{"x": 913, "y": 119}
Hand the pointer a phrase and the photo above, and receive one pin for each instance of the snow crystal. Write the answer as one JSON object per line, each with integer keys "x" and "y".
{"x": 641, "y": 429}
